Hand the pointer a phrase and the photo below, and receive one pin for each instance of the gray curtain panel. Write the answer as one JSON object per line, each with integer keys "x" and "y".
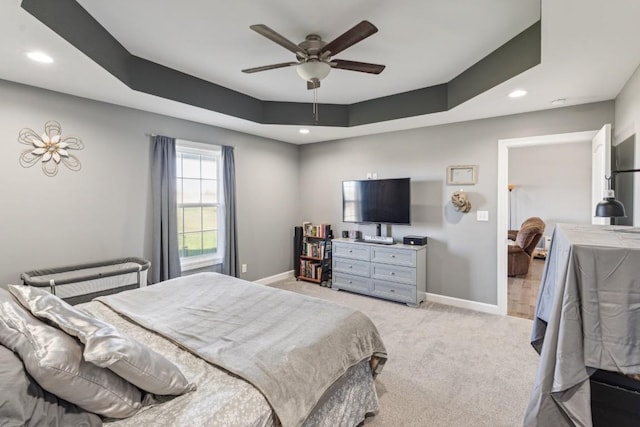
{"x": 230, "y": 262}
{"x": 165, "y": 261}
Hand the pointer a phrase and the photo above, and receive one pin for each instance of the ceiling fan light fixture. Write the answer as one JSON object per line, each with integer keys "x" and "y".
{"x": 315, "y": 69}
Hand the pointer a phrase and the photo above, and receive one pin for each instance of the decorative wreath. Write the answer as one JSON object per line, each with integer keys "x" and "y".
{"x": 461, "y": 202}
{"x": 50, "y": 148}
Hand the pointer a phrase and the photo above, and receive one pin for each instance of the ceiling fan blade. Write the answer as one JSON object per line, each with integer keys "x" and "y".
{"x": 313, "y": 84}
{"x": 278, "y": 38}
{"x": 363, "y": 67}
{"x": 359, "y": 32}
{"x": 269, "y": 67}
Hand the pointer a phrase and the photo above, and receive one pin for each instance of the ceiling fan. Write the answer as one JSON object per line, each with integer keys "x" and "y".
{"x": 314, "y": 55}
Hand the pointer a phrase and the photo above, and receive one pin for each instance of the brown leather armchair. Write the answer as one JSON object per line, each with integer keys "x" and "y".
{"x": 526, "y": 239}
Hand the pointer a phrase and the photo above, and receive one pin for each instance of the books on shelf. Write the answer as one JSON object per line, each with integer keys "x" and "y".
{"x": 315, "y": 253}
{"x": 313, "y": 249}
{"x": 311, "y": 269}
{"x": 316, "y": 230}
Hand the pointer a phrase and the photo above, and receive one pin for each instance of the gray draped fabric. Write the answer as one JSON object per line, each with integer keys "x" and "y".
{"x": 230, "y": 262}
{"x": 165, "y": 261}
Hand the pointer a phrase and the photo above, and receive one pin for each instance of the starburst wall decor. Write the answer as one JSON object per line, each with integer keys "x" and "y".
{"x": 50, "y": 147}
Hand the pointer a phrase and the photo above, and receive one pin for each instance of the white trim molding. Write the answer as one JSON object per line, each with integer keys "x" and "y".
{"x": 502, "y": 213}
{"x": 275, "y": 278}
{"x": 440, "y": 299}
{"x": 463, "y": 303}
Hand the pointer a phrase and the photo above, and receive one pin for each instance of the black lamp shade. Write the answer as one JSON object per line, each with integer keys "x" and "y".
{"x": 610, "y": 207}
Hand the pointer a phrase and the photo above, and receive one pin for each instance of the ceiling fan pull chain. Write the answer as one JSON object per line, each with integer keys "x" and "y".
{"x": 315, "y": 104}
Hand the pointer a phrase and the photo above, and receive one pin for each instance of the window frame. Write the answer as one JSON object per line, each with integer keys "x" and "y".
{"x": 208, "y": 150}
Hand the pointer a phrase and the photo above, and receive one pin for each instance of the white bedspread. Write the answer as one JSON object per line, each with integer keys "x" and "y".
{"x": 289, "y": 346}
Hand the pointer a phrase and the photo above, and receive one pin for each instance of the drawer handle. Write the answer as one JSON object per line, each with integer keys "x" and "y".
{"x": 393, "y": 256}
{"x": 350, "y": 282}
{"x": 393, "y": 273}
{"x": 351, "y": 266}
{"x": 392, "y": 290}
{"x": 350, "y": 251}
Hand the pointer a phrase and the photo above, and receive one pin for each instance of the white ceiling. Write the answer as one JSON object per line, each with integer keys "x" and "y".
{"x": 589, "y": 50}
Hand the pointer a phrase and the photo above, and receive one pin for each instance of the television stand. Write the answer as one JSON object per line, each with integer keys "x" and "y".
{"x": 397, "y": 273}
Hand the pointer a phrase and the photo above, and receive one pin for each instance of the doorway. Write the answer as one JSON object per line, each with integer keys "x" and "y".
{"x": 503, "y": 198}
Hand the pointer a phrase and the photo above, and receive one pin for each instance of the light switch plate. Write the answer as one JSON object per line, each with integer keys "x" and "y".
{"x": 482, "y": 215}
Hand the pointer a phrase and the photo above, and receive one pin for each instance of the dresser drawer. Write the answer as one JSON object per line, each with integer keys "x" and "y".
{"x": 351, "y": 266}
{"x": 394, "y": 256}
{"x": 394, "y": 291}
{"x": 345, "y": 250}
{"x": 351, "y": 283}
{"x": 393, "y": 273}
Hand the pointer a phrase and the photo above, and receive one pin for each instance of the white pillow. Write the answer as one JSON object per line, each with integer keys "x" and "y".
{"x": 104, "y": 345}
{"x": 54, "y": 360}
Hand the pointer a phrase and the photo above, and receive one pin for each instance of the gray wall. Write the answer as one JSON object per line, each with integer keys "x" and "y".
{"x": 627, "y": 125}
{"x": 552, "y": 182}
{"x": 103, "y": 211}
{"x": 461, "y": 260}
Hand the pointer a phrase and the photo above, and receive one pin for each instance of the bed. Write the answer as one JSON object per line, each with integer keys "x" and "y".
{"x": 244, "y": 354}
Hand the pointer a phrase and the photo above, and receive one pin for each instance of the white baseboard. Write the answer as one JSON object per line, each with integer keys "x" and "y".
{"x": 275, "y": 278}
{"x": 463, "y": 303}
{"x": 440, "y": 299}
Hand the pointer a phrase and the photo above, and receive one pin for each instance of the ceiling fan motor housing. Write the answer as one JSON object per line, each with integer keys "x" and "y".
{"x": 311, "y": 45}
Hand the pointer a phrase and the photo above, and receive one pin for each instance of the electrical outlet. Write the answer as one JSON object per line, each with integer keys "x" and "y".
{"x": 374, "y": 175}
{"x": 244, "y": 268}
{"x": 368, "y": 175}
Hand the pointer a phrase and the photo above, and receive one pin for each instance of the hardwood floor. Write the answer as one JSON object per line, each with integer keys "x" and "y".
{"x": 522, "y": 294}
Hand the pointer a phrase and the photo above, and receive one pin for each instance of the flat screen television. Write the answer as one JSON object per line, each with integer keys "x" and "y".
{"x": 380, "y": 201}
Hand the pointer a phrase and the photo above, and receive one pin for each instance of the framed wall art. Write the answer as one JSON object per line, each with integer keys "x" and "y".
{"x": 462, "y": 174}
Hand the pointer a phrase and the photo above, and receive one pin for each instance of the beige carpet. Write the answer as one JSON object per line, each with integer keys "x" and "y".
{"x": 447, "y": 366}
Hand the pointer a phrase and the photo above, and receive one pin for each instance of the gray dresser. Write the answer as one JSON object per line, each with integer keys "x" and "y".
{"x": 395, "y": 272}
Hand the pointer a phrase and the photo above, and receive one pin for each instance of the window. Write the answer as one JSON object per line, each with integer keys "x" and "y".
{"x": 200, "y": 208}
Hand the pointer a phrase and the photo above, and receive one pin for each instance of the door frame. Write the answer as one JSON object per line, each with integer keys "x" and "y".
{"x": 502, "y": 213}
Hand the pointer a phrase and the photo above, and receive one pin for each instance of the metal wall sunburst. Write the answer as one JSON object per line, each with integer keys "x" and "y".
{"x": 49, "y": 147}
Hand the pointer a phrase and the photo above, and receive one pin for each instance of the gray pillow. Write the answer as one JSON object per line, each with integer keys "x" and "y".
{"x": 25, "y": 403}
{"x": 54, "y": 360}
{"x": 104, "y": 345}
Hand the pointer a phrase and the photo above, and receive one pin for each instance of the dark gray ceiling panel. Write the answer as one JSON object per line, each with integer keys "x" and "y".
{"x": 73, "y": 23}
{"x": 417, "y": 102}
{"x": 155, "y": 79}
{"x": 512, "y": 58}
{"x": 294, "y": 113}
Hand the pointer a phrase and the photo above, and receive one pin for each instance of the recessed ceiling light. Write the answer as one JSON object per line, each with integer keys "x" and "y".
{"x": 40, "y": 57}
{"x": 304, "y": 131}
{"x": 517, "y": 93}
